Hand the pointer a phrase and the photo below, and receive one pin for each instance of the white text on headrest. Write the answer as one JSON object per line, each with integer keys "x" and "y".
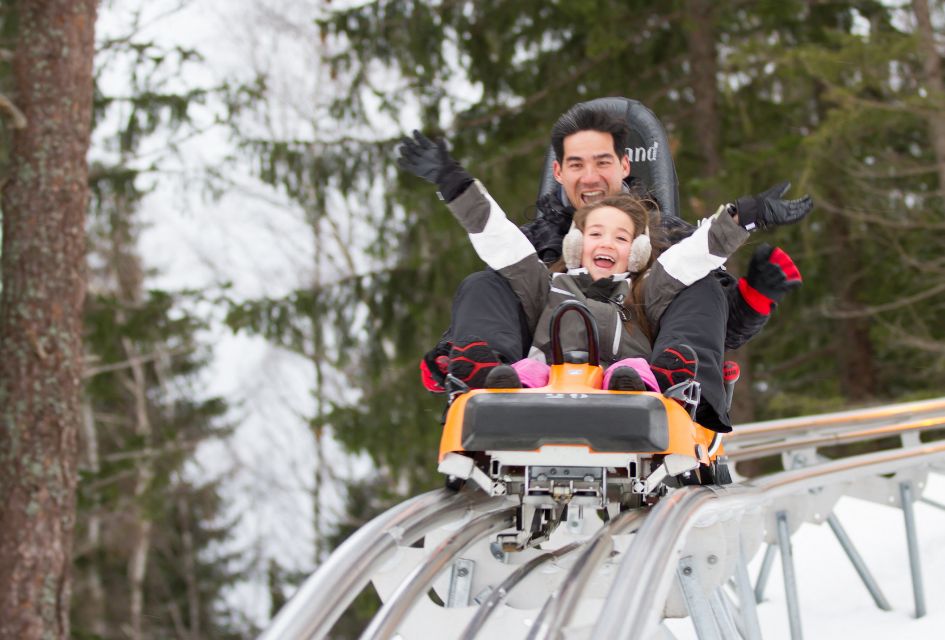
{"x": 643, "y": 154}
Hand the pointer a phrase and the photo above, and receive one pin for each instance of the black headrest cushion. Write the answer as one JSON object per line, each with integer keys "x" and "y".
{"x": 651, "y": 163}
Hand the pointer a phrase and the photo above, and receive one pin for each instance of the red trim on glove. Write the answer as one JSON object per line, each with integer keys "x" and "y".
{"x": 783, "y": 260}
{"x": 429, "y": 382}
{"x": 755, "y": 299}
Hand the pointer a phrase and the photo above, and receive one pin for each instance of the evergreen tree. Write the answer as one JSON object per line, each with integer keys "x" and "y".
{"x": 804, "y": 89}
{"x": 152, "y": 560}
{"x": 837, "y": 89}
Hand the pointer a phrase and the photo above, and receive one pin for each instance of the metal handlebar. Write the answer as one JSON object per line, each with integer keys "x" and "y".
{"x": 590, "y": 327}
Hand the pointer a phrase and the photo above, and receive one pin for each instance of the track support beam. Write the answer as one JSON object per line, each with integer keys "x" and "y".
{"x": 790, "y": 579}
{"x": 858, "y": 564}
{"x": 908, "y": 512}
{"x": 746, "y": 599}
{"x": 764, "y": 572}
{"x": 700, "y": 609}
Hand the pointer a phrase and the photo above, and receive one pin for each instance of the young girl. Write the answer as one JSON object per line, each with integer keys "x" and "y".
{"x": 613, "y": 269}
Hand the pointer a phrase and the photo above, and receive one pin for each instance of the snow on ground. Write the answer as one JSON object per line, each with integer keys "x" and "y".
{"x": 834, "y": 603}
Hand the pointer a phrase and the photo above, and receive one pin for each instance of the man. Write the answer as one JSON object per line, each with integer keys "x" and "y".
{"x": 488, "y": 326}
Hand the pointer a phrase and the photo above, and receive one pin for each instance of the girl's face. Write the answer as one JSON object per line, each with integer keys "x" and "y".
{"x": 608, "y": 233}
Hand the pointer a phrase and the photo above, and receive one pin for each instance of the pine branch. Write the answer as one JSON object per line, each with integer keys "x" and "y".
{"x": 10, "y": 110}
{"x": 894, "y": 172}
{"x": 866, "y": 311}
{"x": 151, "y": 453}
{"x": 818, "y": 355}
{"x": 587, "y": 66}
{"x": 881, "y": 221}
{"x": 927, "y": 345}
{"x": 91, "y": 372}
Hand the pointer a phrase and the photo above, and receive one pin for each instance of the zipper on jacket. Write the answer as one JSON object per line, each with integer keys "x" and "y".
{"x": 622, "y": 311}
{"x": 618, "y": 325}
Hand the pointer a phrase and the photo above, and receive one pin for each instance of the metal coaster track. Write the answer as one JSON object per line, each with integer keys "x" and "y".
{"x": 679, "y": 553}
{"x": 649, "y": 560}
{"x": 327, "y": 593}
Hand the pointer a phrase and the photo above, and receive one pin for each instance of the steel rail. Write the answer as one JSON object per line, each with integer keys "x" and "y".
{"x": 787, "y": 483}
{"x": 385, "y": 623}
{"x": 854, "y": 418}
{"x": 750, "y": 452}
{"x": 499, "y": 594}
{"x": 668, "y": 520}
{"x": 643, "y": 578}
{"x": 325, "y": 595}
{"x": 560, "y": 606}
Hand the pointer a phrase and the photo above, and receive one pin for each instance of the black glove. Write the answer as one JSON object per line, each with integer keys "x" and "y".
{"x": 771, "y": 275}
{"x": 551, "y": 224}
{"x": 432, "y": 162}
{"x": 767, "y": 209}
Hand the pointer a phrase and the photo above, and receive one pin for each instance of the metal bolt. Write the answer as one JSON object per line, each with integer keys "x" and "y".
{"x": 687, "y": 571}
{"x": 712, "y": 559}
{"x": 462, "y": 572}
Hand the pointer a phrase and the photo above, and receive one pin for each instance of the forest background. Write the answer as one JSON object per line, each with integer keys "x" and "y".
{"x": 260, "y": 280}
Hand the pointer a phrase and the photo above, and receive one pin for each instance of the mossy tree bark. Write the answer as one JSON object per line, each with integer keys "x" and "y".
{"x": 43, "y": 267}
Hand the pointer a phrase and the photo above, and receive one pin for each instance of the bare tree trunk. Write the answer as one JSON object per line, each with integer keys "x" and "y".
{"x": 853, "y": 342}
{"x": 318, "y": 422}
{"x": 94, "y": 607}
{"x": 932, "y": 75}
{"x": 190, "y": 570}
{"x": 141, "y": 546}
{"x": 703, "y": 72}
{"x": 854, "y": 345}
{"x": 43, "y": 267}
{"x": 703, "y": 67}
{"x": 137, "y": 571}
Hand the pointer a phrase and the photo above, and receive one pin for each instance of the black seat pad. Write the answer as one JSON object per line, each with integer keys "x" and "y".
{"x": 526, "y": 421}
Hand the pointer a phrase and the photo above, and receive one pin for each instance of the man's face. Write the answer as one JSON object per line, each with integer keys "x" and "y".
{"x": 590, "y": 170}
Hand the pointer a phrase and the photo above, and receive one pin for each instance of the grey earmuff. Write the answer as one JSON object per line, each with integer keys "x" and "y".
{"x": 640, "y": 251}
{"x": 573, "y": 245}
